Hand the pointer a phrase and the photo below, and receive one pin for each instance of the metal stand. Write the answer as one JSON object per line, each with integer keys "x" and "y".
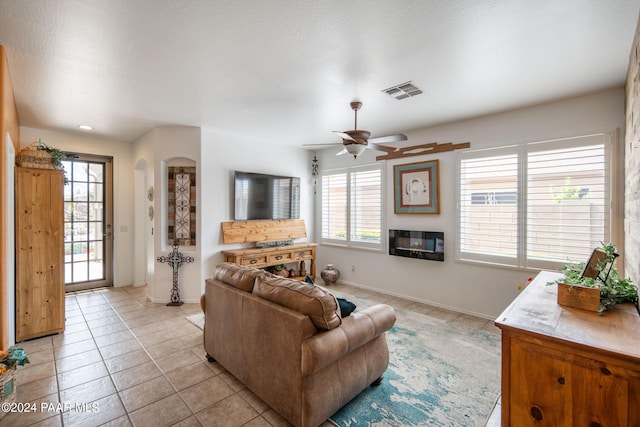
{"x": 175, "y": 260}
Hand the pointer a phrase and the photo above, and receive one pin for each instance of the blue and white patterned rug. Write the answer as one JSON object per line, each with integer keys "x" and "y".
{"x": 440, "y": 374}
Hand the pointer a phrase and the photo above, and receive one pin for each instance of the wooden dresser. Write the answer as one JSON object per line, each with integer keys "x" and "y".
{"x": 568, "y": 367}
{"x": 265, "y": 257}
{"x": 39, "y": 252}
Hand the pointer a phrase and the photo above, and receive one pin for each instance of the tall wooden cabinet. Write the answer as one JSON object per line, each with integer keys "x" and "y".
{"x": 564, "y": 366}
{"x": 39, "y": 229}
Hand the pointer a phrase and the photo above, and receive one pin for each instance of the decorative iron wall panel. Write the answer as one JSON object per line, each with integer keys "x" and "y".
{"x": 181, "y": 206}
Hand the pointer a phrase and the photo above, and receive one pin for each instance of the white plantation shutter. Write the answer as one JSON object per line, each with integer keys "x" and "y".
{"x": 566, "y": 199}
{"x": 365, "y": 206}
{"x": 334, "y": 206}
{"x": 352, "y": 206}
{"x": 488, "y": 206}
{"x": 535, "y": 205}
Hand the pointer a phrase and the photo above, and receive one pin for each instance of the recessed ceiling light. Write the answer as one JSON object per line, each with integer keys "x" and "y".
{"x": 85, "y": 127}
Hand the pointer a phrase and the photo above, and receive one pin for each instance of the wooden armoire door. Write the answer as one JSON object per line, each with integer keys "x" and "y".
{"x": 39, "y": 252}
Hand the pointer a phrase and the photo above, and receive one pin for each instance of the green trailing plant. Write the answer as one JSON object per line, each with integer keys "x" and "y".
{"x": 57, "y": 156}
{"x": 613, "y": 289}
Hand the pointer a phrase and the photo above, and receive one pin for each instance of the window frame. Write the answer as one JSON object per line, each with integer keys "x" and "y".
{"x": 522, "y": 150}
{"x": 380, "y": 246}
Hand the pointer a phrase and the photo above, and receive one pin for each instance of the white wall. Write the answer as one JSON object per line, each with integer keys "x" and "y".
{"x": 473, "y": 289}
{"x": 122, "y": 188}
{"x": 153, "y": 152}
{"x": 221, "y": 155}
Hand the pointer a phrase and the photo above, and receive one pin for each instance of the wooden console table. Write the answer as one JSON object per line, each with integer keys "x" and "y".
{"x": 568, "y": 367}
{"x": 266, "y": 257}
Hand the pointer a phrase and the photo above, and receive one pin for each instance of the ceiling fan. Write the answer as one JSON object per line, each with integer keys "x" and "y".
{"x": 356, "y": 141}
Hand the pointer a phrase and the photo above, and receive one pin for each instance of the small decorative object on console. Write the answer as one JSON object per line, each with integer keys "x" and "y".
{"x": 330, "y": 274}
{"x": 274, "y": 243}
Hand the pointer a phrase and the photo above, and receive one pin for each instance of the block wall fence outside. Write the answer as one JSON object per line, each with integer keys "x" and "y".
{"x": 632, "y": 164}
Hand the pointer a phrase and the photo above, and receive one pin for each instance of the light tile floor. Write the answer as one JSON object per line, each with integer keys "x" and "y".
{"x": 125, "y": 361}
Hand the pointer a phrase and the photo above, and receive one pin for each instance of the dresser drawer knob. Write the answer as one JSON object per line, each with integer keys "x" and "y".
{"x": 561, "y": 380}
{"x": 536, "y": 413}
{"x": 605, "y": 371}
{"x": 279, "y": 257}
{"x": 253, "y": 261}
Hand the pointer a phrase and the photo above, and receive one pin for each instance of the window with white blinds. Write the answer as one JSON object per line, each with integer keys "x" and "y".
{"x": 334, "y": 207}
{"x": 352, "y": 206}
{"x": 535, "y": 205}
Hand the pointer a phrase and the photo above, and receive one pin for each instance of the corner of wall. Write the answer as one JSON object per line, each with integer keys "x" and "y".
{"x": 632, "y": 164}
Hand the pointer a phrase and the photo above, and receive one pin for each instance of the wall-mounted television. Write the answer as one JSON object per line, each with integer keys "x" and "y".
{"x": 262, "y": 196}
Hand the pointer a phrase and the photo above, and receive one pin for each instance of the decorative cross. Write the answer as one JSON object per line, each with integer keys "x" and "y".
{"x": 175, "y": 260}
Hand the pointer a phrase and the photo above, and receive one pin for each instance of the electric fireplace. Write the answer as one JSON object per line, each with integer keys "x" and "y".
{"x": 417, "y": 244}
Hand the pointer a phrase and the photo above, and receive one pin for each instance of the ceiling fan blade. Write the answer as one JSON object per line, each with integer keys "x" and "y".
{"x": 344, "y": 151}
{"x": 344, "y": 135}
{"x": 389, "y": 138}
{"x": 382, "y": 147}
{"x": 328, "y": 144}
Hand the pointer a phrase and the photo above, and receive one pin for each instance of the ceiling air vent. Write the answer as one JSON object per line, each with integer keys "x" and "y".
{"x": 402, "y": 91}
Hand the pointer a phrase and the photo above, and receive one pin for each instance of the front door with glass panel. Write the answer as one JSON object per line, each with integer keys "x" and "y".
{"x": 87, "y": 222}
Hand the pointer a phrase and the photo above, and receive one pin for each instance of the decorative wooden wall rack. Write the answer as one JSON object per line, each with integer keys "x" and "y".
{"x": 420, "y": 150}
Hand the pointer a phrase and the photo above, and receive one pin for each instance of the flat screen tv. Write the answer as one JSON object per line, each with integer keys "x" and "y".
{"x": 262, "y": 196}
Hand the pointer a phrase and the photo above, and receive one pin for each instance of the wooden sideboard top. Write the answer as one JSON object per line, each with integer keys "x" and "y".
{"x": 252, "y": 251}
{"x": 536, "y": 312}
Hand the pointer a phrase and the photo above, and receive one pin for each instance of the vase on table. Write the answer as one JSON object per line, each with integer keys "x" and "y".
{"x": 330, "y": 274}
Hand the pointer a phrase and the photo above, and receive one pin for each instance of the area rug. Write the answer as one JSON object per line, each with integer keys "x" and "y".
{"x": 197, "y": 319}
{"x": 440, "y": 374}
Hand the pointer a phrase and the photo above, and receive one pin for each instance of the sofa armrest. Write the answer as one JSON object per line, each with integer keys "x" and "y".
{"x": 356, "y": 330}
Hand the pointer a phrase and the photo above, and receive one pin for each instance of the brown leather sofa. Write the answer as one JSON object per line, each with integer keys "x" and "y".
{"x": 286, "y": 341}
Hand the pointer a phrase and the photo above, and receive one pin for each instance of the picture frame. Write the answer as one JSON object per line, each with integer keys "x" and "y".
{"x": 597, "y": 266}
{"x": 416, "y": 188}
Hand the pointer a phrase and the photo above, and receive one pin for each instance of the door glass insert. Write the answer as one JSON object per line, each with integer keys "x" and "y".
{"x": 87, "y": 238}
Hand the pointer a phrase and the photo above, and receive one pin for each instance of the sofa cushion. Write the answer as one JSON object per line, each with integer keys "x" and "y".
{"x": 313, "y": 301}
{"x": 237, "y": 276}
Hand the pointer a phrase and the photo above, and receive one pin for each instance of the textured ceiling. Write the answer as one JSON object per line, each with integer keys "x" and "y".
{"x": 284, "y": 72}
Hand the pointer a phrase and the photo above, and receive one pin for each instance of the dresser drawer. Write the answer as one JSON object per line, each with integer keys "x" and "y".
{"x": 302, "y": 254}
{"x": 280, "y": 258}
{"x": 254, "y": 261}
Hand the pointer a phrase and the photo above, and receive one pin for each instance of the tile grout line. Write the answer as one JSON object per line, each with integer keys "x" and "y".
{"x": 156, "y": 365}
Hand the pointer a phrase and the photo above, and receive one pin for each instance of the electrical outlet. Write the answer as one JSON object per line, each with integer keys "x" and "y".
{"x": 353, "y": 267}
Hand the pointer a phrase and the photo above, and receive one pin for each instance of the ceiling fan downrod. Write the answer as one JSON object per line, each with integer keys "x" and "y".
{"x": 355, "y": 106}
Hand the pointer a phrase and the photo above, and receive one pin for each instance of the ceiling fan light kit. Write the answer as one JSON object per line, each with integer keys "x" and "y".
{"x": 357, "y": 140}
{"x": 355, "y": 149}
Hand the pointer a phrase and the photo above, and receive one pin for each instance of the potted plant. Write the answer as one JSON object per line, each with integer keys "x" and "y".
{"x": 595, "y": 285}
{"x": 8, "y": 361}
{"x": 57, "y": 156}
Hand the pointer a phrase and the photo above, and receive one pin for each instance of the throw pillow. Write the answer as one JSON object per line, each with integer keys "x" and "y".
{"x": 346, "y": 307}
{"x": 313, "y": 301}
